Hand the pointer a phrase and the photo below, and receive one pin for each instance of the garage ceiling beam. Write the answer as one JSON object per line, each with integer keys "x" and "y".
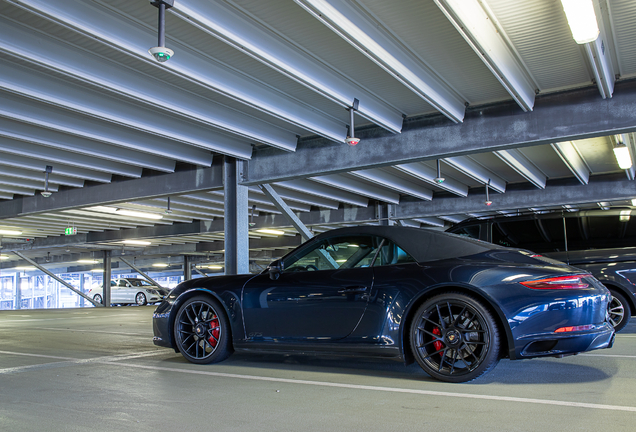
{"x": 352, "y": 185}
{"x": 62, "y": 122}
{"x": 181, "y": 182}
{"x": 38, "y": 175}
{"x": 108, "y": 27}
{"x": 39, "y": 164}
{"x": 246, "y": 35}
{"x": 353, "y": 25}
{"x": 103, "y": 73}
{"x": 428, "y": 174}
{"x": 478, "y": 26}
{"x": 45, "y": 88}
{"x": 572, "y": 159}
{"x": 398, "y": 184}
{"x": 477, "y": 172}
{"x": 25, "y": 132}
{"x": 524, "y": 167}
{"x": 597, "y": 190}
{"x": 557, "y": 117}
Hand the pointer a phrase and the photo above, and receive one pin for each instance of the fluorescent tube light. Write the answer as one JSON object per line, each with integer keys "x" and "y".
{"x": 162, "y": 265}
{"x": 139, "y": 214}
{"x": 136, "y": 242}
{"x": 10, "y": 232}
{"x": 270, "y": 231}
{"x": 622, "y": 156}
{"x": 582, "y": 20}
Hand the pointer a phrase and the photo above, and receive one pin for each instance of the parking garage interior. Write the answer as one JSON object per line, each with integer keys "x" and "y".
{"x": 268, "y": 123}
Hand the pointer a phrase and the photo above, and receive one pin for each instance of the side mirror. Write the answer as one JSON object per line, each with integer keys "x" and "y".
{"x": 275, "y": 269}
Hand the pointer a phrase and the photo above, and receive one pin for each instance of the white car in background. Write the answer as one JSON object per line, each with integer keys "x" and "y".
{"x": 129, "y": 291}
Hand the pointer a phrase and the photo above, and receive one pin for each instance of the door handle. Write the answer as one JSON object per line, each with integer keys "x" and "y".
{"x": 352, "y": 290}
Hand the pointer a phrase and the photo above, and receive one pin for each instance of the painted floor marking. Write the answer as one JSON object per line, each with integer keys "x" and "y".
{"x": 116, "y": 360}
{"x": 146, "y": 335}
{"x": 387, "y": 389}
{"x": 608, "y": 355}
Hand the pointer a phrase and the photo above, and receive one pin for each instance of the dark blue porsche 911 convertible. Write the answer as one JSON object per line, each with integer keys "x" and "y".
{"x": 453, "y": 304}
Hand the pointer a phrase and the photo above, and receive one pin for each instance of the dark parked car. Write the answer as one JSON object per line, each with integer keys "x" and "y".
{"x": 454, "y": 305}
{"x": 602, "y": 242}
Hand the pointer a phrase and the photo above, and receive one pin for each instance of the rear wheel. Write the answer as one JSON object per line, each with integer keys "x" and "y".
{"x": 98, "y": 299}
{"x": 455, "y": 338}
{"x": 201, "y": 331}
{"x": 619, "y": 311}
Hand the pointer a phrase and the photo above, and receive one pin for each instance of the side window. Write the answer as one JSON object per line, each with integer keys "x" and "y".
{"x": 122, "y": 283}
{"x": 390, "y": 253}
{"x": 599, "y": 232}
{"x": 334, "y": 253}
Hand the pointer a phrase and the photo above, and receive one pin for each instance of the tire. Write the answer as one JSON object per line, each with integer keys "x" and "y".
{"x": 455, "y": 338}
{"x": 140, "y": 299}
{"x": 98, "y": 299}
{"x": 619, "y": 311}
{"x": 202, "y": 331}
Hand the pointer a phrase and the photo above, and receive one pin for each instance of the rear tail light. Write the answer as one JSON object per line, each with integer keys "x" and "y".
{"x": 561, "y": 282}
{"x": 574, "y": 328}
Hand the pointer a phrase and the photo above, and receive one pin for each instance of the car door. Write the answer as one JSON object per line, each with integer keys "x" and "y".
{"x": 320, "y": 295}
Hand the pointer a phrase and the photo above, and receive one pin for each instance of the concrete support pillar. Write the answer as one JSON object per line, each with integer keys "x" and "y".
{"x": 81, "y": 287}
{"x": 106, "y": 284}
{"x": 187, "y": 268}
{"x": 236, "y": 219}
{"x": 17, "y": 293}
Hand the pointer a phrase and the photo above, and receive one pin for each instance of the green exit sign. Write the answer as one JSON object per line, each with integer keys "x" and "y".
{"x": 70, "y": 231}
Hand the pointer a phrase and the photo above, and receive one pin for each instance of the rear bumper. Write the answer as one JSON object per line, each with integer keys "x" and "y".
{"x": 554, "y": 344}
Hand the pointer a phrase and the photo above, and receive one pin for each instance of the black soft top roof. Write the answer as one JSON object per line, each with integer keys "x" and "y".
{"x": 421, "y": 244}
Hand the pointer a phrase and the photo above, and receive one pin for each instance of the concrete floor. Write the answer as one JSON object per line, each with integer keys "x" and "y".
{"x": 97, "y": 370}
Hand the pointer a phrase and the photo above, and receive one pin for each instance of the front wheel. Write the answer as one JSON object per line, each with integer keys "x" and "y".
{"x": 98, "y": 299}
{"x": 455, "y": 338}
{"x": 202, "y": 331}
{"x": 619, "y": 311}
{"x": 140, "y": 299}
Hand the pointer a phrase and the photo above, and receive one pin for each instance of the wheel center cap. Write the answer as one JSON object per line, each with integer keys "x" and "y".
{"x": 453, "y": 337}
{"x": 200, "y": 330}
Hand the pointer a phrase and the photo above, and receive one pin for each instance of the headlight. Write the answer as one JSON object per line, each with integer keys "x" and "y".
{"x": 151, "y": 291}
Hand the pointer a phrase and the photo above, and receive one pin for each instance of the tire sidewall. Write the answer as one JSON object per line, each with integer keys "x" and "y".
{"x": 223, "y": 349}
{"x": 626, "y": 309}
{"x": 492, "y": 357}
{"x": 143, "y": 303}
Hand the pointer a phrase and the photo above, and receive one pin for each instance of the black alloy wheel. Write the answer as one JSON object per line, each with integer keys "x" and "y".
{"x": 455, "y": 338}
{"x": 619, "y": 311}
{"x": 140, "y": 299}
{"x": 97, "y": 298}
{"x": 201, "y": 331}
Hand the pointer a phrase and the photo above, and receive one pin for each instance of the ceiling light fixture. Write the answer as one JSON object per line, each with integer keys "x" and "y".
{"x": 139, "y": 214}
{"x": 634, "y": 202}
{"x": 161, "y": 53}
{"x": 4, "y": 257}
{"x": 86, "y": 261}
{"x": 136, "y": 242}
{"x": 622, "y": 155}
{"x": 46, "y": 192}
{"x": 351, "y": 138}
{"x": 488, "y": 202}
{"x": 270, "y": 231}
{"x": 215, "y": 267}
{"x": 582, "y": 20}
{"x": 160, "y": 265}
{"x": 168, "y": 210}
{"x": 439, "y": 178}
{"x": 10, "y": 232}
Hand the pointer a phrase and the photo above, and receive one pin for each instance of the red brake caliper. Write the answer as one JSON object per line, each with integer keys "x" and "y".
{"x": 437, "y": 344}
{"x": 214, "y": 325}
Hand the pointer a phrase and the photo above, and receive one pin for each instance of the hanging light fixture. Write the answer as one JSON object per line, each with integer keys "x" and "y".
{"x": 488, "y": 202}
{"x": 582, "y": 20}
{"x": 439, "y": 178}
{"x": 161, "y": 53}
{"x": 351, "y": 138}
{"x": 46, "y": 192}
{"x": 168, "y": 210}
